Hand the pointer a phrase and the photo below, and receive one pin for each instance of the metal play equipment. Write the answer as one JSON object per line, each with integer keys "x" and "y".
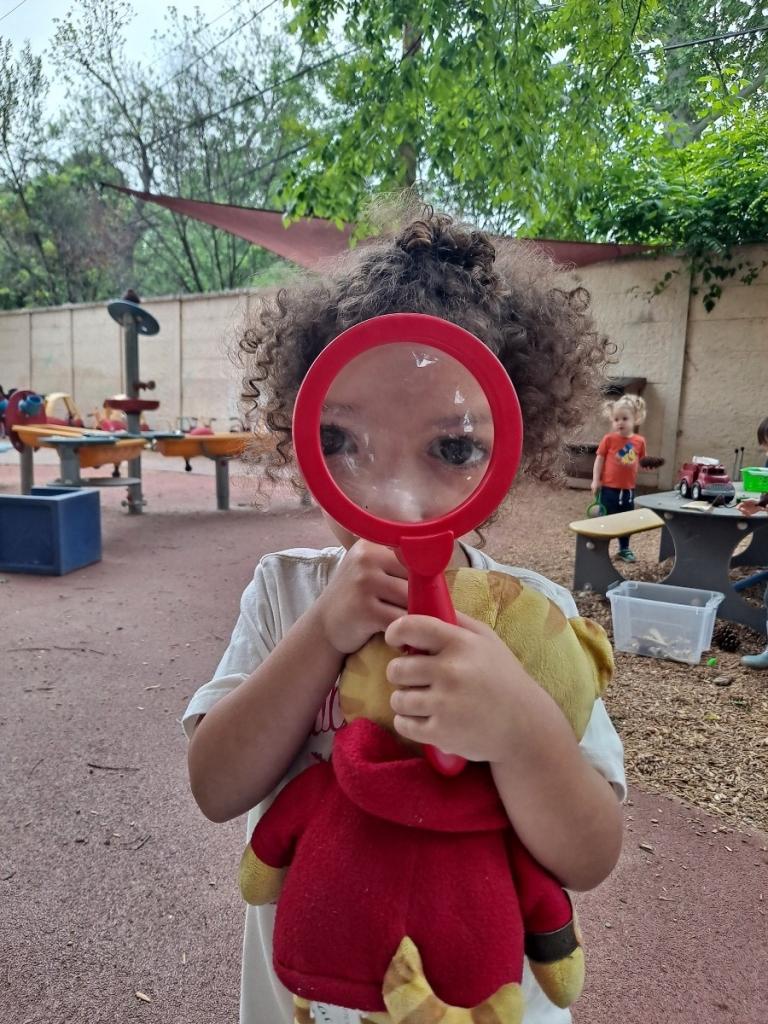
{"x": 135, "y": 321}
{"x": 28, "y": 430}
{"x": 30, "y": 426}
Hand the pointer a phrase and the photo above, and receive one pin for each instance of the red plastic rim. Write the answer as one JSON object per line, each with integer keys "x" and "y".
{"x": 467, "y": 350}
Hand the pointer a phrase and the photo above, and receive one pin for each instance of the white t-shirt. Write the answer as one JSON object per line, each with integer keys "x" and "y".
{"x": 284, "y": 586}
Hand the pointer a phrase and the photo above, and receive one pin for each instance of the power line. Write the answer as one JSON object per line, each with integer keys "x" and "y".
{"x": 240, "y": 25}
{"x": 198, "y": 122}
{"x": 9, "y": 13}
{"x": 714, "y": 39}
{"x": 273, "y": 86}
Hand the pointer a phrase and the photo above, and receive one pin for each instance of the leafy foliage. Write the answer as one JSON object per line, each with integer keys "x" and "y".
{"x": 488, "y": 95}
{"x": 554, "y": 118}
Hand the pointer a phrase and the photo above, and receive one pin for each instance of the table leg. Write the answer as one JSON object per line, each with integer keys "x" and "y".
{"x": 69, "y": 467}
{"x": 666, "y": 545}
{"x": 593, "y": 569}
{"x": 135, "y": 500}
{"x": 222, "y": 484}
{"x": 702, "y": 560}
{"x": 757, "y": 552}
{"x": 27, "y": 470}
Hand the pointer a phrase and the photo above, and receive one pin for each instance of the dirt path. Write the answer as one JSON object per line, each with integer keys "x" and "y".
{"x": 112, "y": 883}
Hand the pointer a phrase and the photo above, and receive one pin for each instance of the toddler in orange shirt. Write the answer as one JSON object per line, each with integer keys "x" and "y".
{"x": 614, "y": 475}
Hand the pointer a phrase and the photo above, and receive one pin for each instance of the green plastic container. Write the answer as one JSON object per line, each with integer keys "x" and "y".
{"x": 755, "y": 479}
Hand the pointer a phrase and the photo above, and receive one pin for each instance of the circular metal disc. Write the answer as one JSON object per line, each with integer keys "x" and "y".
{"x": 145, "y": 322}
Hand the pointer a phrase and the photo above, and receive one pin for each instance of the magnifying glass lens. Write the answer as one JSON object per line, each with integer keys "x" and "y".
{"x": 406, "y": 432}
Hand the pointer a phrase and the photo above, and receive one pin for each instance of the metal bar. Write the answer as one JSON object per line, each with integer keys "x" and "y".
{"x": 222, "y": 484}
{"x": 69, "y": 461}
{"x": 27, "y": 470}
{"x": 135, "y": 500}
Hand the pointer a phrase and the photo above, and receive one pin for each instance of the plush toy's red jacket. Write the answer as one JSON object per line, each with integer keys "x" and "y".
{"x": 381, "y": 846}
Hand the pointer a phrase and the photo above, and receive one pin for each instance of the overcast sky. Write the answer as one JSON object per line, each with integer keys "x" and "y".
{"x": 33, "y": 19}
{"x": 22, "y": 20}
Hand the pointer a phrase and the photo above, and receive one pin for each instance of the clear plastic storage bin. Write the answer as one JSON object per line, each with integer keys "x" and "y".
{"x": 658, "y": 621}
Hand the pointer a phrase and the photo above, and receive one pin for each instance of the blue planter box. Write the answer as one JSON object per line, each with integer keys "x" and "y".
{"x": 51, "y": 531}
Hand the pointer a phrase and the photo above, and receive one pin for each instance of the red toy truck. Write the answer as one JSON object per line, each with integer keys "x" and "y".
{"x": 705, "y": 478}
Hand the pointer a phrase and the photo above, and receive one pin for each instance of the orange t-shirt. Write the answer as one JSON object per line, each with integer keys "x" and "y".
{"x": 622, "y": 460}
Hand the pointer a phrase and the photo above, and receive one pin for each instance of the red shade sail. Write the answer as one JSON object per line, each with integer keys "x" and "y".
{"x": 312, "y": 239}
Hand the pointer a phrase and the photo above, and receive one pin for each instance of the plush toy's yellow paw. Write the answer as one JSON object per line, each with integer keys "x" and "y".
{"x": 563, "y": 980}
{"x": 410, "y": 1000}
{"x": 259, "y": 883}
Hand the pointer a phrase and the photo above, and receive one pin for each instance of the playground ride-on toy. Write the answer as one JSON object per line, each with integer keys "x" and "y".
{"x": 112, "y": 419}
{"x": 706, "y": 478}
{"x": 28, "y": 430}
{"x": 71, "y": 417}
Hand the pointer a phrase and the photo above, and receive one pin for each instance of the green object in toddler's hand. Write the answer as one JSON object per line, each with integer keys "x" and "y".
{"x": 595, "y": 508}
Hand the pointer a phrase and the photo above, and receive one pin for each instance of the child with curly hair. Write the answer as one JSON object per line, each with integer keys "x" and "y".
{"x": 620, "y": 455}
{"x": 272, "y": 707}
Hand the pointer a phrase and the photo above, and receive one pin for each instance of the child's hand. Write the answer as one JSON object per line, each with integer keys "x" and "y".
{"x": 367, "y": 592}
{"x": 463, "y": 695}
{"x": 749, "y": 507}
{"x": 594, "y": 487}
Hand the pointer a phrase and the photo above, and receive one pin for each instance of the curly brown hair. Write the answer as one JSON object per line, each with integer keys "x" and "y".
{"x": 506, "y": 293}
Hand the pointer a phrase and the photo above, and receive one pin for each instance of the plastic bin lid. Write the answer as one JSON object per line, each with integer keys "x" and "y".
{"x": 664, "y": 593}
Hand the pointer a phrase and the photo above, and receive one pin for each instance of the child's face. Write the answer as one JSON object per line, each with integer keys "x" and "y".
{"x": 623, "y": 422}
{"x": 407, "y": 432}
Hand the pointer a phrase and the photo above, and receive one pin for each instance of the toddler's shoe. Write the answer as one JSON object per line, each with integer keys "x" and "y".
{"x": 756, "y": 660}
{"x": 627, "y": 555}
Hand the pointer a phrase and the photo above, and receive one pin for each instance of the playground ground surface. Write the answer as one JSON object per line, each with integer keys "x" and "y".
{"x": 119, "y": 899}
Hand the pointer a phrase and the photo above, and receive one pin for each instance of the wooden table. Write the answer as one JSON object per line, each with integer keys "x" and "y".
{"x": 703, "y": 543}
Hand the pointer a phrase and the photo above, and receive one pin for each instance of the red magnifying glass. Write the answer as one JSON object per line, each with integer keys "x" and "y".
{"x": 408, "y": 432}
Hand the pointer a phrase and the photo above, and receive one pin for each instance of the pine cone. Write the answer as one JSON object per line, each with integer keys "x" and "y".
{"x": 726, "y": 637}
{"x": 651, "y": 461}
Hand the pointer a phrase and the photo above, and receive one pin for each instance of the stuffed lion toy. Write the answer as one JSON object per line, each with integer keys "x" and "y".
{"x": 406, "y": 895}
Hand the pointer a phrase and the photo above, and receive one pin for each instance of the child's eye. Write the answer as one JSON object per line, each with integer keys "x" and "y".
{"x": 336, "y": 441}
{"x": 457, "y": 451}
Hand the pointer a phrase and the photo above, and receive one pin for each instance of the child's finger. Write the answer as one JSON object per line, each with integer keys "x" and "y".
{"x": 414, "y": 703}
{"x": 411, "y": 670}
{"x": 417, "y": 729}
{"x": 473, "y": 626}
{"x": 389, "y": 613}
{"x": 422, "y": 632}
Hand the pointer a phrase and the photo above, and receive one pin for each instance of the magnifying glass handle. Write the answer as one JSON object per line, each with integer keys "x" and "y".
{"x": 428, "y": 595}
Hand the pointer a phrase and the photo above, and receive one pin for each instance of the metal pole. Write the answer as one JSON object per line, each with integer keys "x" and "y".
{"x": 131, "y": 363}
{"x": 69, "y": 467}
{"x": 222, "y": 484}
{"x": 27, "y": 470}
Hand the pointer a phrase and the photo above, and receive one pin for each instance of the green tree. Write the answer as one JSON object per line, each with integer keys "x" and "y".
{"x": 198, "y": 119}
{"x": 58, "y": 241}
{"x": 506, "y": 108}
{"x": 690, "y": 174}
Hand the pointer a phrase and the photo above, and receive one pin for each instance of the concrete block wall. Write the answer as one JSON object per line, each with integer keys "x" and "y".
{"x": 725, "y": 384}
{"x": 649, "y": 332}
{"x": 78, "y": 350}
{"x": 707, "y": 373}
